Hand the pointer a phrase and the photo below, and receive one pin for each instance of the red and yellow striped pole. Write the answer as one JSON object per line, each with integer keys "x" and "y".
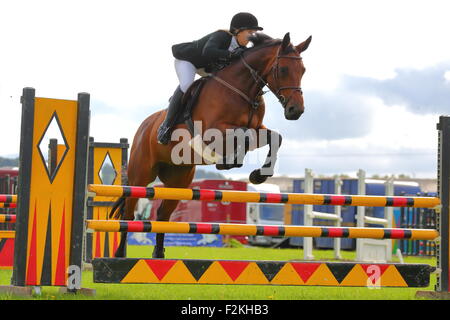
{"x": 247, "y": 196}
{"x": 263, "y": 230}
{"x": 7, "y": 218}
{"x": 8, "y": 205}
{"x": 8, "y": 198}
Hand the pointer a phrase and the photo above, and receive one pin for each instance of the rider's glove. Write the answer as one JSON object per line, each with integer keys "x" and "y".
{"x": 236, "y": 53}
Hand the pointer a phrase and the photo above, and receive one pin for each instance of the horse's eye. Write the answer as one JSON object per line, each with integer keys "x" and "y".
{"x": 284, "y": 71}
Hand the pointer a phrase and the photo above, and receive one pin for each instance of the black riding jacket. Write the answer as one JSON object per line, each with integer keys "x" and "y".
{"x": 205, "y": 52}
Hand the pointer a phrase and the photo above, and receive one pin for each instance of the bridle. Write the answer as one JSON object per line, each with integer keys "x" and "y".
{"x": 261, "y": 80}
{"x": 281, "y": 97}
{"x": 275, "y": 72}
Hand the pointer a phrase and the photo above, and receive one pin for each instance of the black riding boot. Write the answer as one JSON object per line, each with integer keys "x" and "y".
{"x": 175, "y": 107}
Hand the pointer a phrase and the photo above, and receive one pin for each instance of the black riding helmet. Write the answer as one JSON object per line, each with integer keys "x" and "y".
{"x": 244, "y": 21}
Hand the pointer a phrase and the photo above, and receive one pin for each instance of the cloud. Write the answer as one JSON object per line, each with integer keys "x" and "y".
{"x": 421, "y": 91}
{"x": 350, "y": 155}
{"x": 404, "y": 142}
{"x": 352, "y": 109}
{"x": 136, "y": 113}
{"x": 344, "y": 161}
{"x": 328, "y": 115}
{"x": 329, "y": 158}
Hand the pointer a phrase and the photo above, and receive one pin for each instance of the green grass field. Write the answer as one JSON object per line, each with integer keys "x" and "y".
{"x": 228, "y": 292}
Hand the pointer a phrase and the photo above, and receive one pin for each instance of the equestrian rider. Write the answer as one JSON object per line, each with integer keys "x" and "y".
{"x": 202, "y": 56}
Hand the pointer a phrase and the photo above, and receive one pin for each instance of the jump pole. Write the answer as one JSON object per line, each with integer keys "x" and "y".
{"x": 8, "y": 198}
{"x": 7, "y": 218}
{"x": 8, "y": 205}
{"x": 7, "y": 234}
{"x": 262, "y": 230}
{"x": 248, "y": 196}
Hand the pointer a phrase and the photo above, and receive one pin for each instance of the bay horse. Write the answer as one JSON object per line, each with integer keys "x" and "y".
{"x": 230, "y": 99}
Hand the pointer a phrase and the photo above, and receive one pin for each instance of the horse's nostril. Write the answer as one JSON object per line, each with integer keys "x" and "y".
{"x": 294, "y": 110}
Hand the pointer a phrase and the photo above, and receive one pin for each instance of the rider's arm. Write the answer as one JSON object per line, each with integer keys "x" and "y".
{"x": 214, "y": 47}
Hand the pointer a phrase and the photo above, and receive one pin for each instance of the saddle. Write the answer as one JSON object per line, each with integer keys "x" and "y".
{"x": 189, "y": 101}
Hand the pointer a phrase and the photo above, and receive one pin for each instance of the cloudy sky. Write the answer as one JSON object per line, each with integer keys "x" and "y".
{"x": 378, "y": 73}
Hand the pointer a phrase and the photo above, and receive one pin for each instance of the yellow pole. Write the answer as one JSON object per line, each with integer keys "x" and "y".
{"x": 7, "y": 234}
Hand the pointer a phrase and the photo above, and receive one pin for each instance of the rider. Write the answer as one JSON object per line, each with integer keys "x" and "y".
{"x": 201, "y": 56}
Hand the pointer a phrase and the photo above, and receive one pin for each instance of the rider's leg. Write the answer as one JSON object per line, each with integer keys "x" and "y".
{"x": 186, "y": 75}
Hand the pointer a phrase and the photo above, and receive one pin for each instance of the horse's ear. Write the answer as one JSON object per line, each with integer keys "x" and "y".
{"x": 304, "y": 45}
{"x": 286, "y": 41}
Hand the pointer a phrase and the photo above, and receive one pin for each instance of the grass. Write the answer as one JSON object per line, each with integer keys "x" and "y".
{"x": 229, "y": 292}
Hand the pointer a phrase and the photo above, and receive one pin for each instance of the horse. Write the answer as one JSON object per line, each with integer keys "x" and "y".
{"x": 230, "y": 99}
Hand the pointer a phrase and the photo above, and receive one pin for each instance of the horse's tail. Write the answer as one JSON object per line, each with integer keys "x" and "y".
{"x": 117, "y": 211}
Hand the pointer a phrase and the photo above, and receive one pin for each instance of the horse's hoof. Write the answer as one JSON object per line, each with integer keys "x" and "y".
{"x": 158, "y": 254}
{"x": 224, "y": 166}
{"x": 256, "y": 177}
{"x": 228, "y": 165}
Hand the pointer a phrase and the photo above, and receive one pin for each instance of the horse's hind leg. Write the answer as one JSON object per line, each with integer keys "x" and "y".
{"x": 137, "y": 176}
{"x": 163, "y": 214}
{"x": 121, "y": 250}
{"x": 172, "y": 177}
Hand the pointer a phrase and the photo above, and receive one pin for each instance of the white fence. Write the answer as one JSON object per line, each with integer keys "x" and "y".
{"x": 369, "y": 250}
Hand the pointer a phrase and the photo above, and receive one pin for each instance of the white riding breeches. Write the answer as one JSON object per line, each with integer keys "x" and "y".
{"x": 186, "y": 73}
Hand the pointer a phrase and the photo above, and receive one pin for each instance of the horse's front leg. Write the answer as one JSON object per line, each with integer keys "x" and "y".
{"x": 273, "y": 139}
{"x": 237, "y": 143}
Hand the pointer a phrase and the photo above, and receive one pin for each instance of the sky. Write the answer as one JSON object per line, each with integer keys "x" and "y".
{"x": 377, "y": 79}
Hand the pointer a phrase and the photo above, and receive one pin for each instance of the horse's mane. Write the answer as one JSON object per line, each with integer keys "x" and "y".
{"x": 262, "y": 40}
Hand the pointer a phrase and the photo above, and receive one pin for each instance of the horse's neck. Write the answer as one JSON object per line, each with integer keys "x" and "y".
{"x": 239, "y": 75}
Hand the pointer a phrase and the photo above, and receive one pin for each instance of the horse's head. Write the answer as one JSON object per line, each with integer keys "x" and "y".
{"x": 285, "y": 77}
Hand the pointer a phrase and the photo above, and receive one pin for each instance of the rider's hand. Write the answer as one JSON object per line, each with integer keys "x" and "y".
{"x": 236, "y": 53}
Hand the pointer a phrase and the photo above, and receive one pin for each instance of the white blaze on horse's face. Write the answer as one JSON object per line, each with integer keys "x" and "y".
{"x": 288, "y": 71}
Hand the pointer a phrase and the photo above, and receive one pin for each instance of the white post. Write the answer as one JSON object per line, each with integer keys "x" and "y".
{"x": 308, "y": 216}
{"x": 337, "y": 212}
{"x": 373, "y": 250}
{"x": 389, "y": 215}
{"x": 389, "y": 211}
{"x": 360, "y": 212}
